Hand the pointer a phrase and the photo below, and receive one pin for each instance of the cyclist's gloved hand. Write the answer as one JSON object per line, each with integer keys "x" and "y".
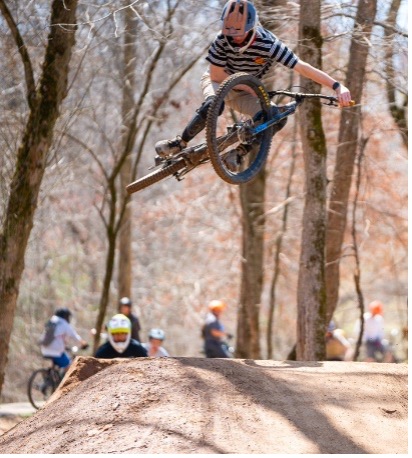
{"x": 84, "y": 346}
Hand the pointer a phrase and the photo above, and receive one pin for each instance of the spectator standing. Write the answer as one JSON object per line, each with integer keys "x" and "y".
{"x": 154, "y": 346}
{"x": 338, "y": 348}
{"x": 125, "y": 308}
{"x": 374, "y": 331}
{"x": 120, "y": 343}
{"x": 214, "y": 332}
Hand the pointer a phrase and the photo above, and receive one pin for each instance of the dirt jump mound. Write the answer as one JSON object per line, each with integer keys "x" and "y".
{"x": 197, "y": 405}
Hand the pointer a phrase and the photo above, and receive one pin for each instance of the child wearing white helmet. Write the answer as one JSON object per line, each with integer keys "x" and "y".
{"x": 154, "y": 346}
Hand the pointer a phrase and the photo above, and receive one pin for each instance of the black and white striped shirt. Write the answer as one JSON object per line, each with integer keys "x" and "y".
{"x": 265, "y": 49}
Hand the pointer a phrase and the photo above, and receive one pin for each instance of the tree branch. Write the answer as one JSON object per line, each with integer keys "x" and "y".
{"x": 28, "y": 69}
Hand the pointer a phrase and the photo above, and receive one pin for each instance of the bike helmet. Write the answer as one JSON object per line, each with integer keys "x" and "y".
{"x": 331, "y": 326}
{"x": 119, "y": 324}
{"x": 376, "y": 308}
{"x": 157, "y": 334}
{"x": 239, "y": 17}
{"x": 216, "y": 305}
{"x": 64, "y": 313}
{"x": 125, "y": 301}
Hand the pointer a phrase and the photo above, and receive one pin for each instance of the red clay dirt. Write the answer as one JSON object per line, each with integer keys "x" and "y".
{"x": 198, "y": 405}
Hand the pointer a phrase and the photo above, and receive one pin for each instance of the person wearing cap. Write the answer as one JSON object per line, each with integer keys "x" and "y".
{"x": 120, "y": 343}
{"x": 125, "y": 307}
{"x": 374, "y": 331}
{"x": 243, "y": 45}
{"x": 214, "y": 332}
{"x": 154, "y": 346}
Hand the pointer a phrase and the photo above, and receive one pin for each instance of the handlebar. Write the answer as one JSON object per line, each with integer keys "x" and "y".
{"x": 300, "y": 96}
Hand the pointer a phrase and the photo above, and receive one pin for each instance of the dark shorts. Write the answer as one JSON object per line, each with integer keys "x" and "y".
{"x": 373, "y": 347}
{"x": 62, "y": 361}
{"x": 214, "y": 349}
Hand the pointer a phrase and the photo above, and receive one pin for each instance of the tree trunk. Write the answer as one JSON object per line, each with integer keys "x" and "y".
{"x": 278, "y": 249}
{"x": 31, "y": 163}
{"x": 125, "y": 235}
{"x": 252, "y": 197}
{"x": 346, "y": 151}
{"x": 398, "y": 111}
{"x": 105, "y": 295}
{"x": 311, "y": 298}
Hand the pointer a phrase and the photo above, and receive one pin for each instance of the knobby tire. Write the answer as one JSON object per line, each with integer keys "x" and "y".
{"x": 155, "y": 176}
{"x": 32, "y": 390}
{"x": 214, "y": 149}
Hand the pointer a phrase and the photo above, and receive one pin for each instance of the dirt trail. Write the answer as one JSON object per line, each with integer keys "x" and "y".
{"x": 197, "y": 405}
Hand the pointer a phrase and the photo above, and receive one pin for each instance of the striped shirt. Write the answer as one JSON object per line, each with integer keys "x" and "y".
{"x": 256, "y": 60}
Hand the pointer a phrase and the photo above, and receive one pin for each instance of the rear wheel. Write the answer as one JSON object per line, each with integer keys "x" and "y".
{"x": 155, "y": 176}
{"x": 41, "y": 386}
{"x": 238, "y": 155}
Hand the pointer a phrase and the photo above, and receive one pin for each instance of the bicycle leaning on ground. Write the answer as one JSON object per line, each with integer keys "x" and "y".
{"x": 227, "y": 130}
{"x": 44, "y": 382}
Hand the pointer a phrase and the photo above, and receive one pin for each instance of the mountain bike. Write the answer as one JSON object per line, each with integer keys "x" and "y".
{"x": 44, "y": 382}
{"x": 228, "y": 131}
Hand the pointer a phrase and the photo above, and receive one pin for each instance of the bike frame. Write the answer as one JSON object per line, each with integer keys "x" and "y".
{"x": 291, "y": 107}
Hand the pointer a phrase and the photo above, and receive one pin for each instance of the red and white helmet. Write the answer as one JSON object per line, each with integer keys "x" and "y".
{"x": 239, "y": 17}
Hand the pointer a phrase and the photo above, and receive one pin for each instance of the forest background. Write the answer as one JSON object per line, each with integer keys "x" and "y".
{"x": 134, "y": 79}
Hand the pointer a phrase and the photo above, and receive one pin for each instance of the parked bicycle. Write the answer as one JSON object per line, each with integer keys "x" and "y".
{"x": 44, "y": 382}
{"x": 227, "y": 130}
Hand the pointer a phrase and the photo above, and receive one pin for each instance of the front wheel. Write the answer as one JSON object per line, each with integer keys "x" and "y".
{"x": 236, "y": 153}
{"x": 41, "y": 386}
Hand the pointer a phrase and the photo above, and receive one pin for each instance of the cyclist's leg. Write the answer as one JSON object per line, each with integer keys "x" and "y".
{"x": 63, "y": 361}
{"x": 370, "y": 350}
{"x": 166, "y": 148}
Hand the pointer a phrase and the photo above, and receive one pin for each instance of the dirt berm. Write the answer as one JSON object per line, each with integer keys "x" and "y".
{"x": 197, "y": 405}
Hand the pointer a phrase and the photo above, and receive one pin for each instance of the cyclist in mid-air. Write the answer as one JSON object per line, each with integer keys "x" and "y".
{"x": 244, "y": 46}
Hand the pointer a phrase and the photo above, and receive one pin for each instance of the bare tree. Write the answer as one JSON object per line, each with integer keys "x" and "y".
{"x": 278, "y": 247}
{"x": 311, "y": 282}
{"x": 252, "y": 200}
{"x": 129, "y": 75}
{"x": 346, "y": 151}
{"x": 398, "y": 110}
{"x": 44, "y": 105}
{"x": 138, "y": 123}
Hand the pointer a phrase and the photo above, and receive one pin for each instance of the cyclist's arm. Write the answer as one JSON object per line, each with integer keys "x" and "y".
{"x": 71, "y": 333}
{"x": 217, "y": 333}
{"x": 306, "y": 70}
